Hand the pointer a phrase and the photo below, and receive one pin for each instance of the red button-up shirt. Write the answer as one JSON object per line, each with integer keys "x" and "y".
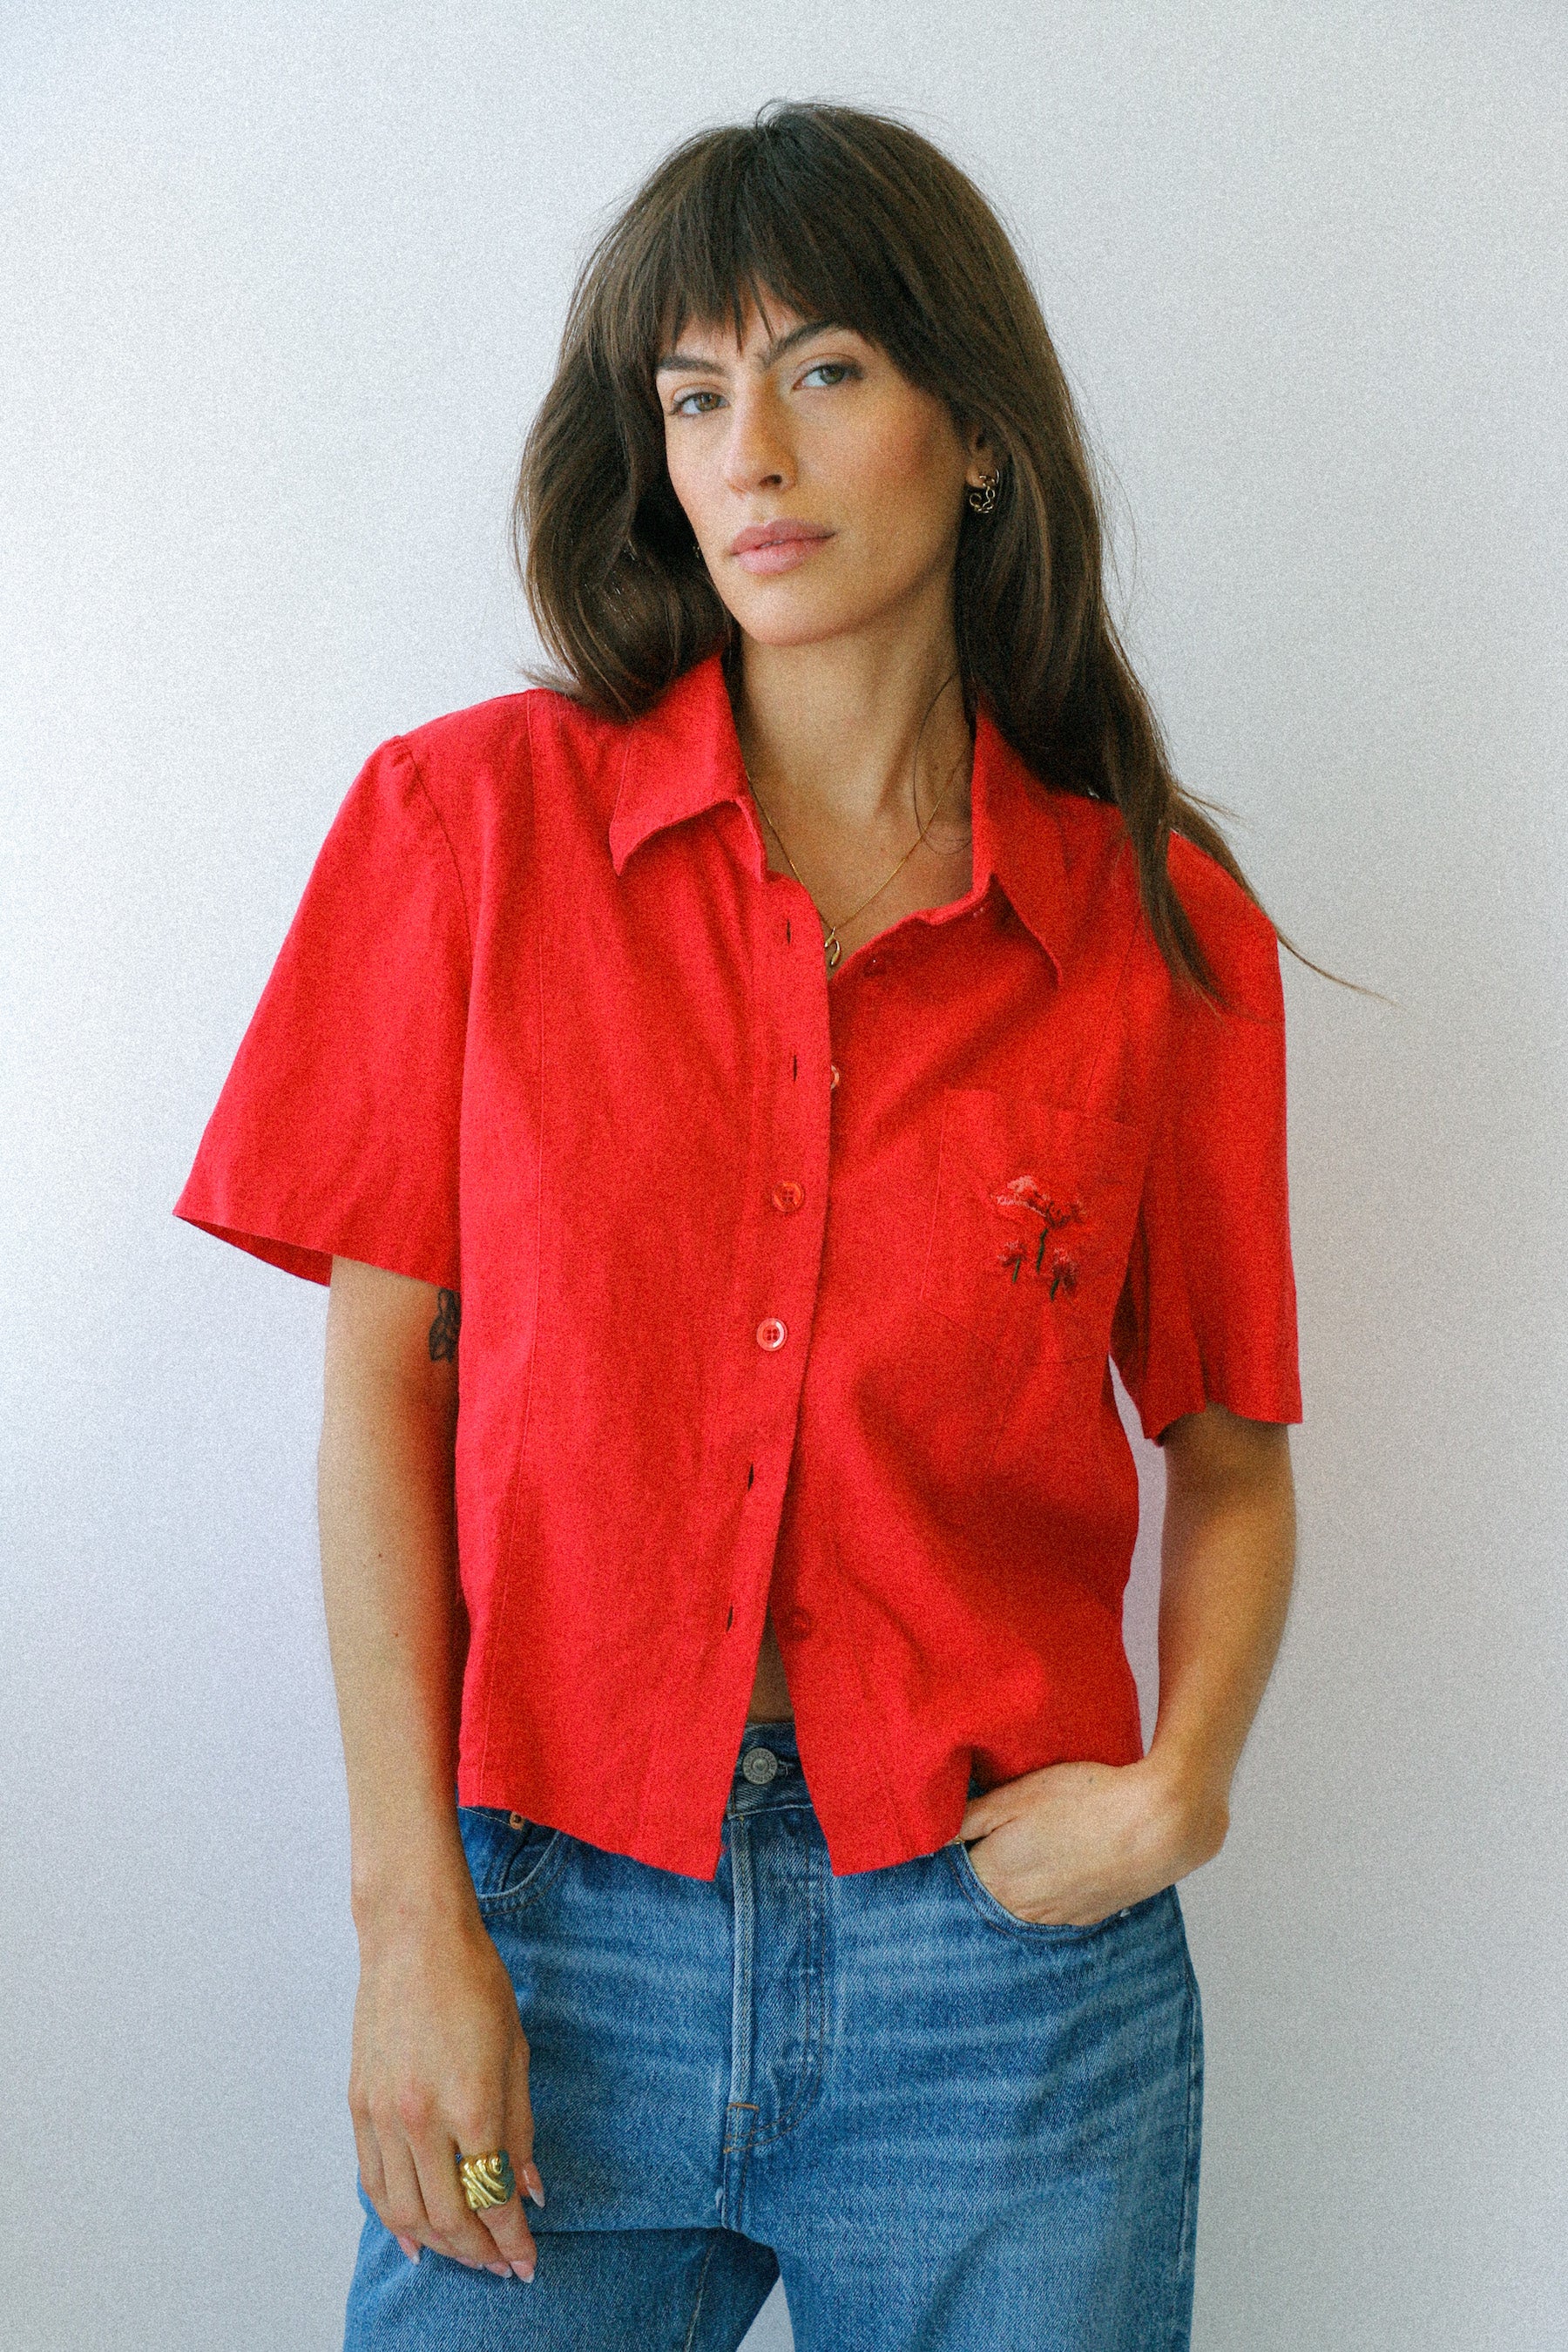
{"x": 774, "y": 1280}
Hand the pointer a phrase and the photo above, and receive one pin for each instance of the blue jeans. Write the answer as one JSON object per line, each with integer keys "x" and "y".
{"x": 950, "y": 2129}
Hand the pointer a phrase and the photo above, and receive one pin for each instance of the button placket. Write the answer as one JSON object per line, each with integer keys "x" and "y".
{"x": 792, "y": 1146}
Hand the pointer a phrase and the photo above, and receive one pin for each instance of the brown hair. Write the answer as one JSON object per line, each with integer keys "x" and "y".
{"x": 853, "y": 219}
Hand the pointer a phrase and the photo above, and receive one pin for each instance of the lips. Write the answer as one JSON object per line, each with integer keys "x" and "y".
{"x": 776, "y": 534}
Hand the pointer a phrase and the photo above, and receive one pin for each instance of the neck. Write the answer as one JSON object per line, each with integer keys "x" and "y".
{"x": 829, "y": 734}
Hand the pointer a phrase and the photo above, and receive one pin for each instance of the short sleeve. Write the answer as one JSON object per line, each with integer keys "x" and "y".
{"x": 336, "y": 1132}
{"x": 1207, "y": 1313}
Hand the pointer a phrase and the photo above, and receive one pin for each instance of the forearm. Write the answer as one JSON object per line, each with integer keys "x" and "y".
{"x": 1227, "y": 1561}
{"x": 388, "y": 1575}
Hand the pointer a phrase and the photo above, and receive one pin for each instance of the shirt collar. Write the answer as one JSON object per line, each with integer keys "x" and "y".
{"x": 684, "y": 756}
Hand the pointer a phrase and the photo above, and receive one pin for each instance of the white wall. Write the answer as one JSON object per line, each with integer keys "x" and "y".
{"x": 280, "y": 291}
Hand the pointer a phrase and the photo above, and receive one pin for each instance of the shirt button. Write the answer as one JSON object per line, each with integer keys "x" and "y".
{"x": 798, "y": 1623}
{"x": 832, "y": 1075}
{"x": 771, "y": 1333}
{"x": 788, "y": 1196}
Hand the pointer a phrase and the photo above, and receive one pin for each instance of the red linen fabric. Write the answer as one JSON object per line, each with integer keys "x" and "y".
{"x": 772, "y": 1279}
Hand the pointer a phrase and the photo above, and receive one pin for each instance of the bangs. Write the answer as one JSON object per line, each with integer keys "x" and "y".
{"x": 772, "y": 216}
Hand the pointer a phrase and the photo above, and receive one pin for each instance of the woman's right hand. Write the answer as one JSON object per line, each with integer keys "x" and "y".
{"x": 440, "y": 2058}
{"x": 439, "y": 2065}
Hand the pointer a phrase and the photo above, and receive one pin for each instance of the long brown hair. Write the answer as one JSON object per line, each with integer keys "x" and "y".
{"x": 853, "y": 219}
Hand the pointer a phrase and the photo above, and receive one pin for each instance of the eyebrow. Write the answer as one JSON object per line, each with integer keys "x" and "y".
{"x": 775, "y": 349}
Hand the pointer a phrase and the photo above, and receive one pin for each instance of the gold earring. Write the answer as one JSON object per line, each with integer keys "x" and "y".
{"x": 982, "y": 494}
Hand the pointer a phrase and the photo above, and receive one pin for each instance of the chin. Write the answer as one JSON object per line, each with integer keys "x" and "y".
{"x": 804, "y": 621}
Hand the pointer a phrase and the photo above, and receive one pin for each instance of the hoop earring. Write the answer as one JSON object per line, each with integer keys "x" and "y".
{"x": 982, "y": 494}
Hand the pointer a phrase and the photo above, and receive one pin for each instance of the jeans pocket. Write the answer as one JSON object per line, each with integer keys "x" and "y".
{"x": 996, "y": 1915}
{"x": 511, "y": 1860}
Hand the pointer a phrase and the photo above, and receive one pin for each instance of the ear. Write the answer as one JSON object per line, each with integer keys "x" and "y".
{"x": 979, "y": 452}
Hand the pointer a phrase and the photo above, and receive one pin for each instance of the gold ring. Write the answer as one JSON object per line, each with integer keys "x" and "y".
{"x": 487, "y": 2179}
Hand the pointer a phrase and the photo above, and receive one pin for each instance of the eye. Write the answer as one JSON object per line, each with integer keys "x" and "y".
{"x": 838, "y": 369}
{"x": 678, "y": 408}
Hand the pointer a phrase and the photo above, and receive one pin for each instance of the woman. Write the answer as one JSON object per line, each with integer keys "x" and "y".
{"x": 798, "y": 1050}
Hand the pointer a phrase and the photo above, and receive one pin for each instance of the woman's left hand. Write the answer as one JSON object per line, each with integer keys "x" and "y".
{"x": 1069, "y": 1844}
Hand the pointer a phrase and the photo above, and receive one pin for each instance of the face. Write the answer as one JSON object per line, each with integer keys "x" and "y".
{"x": 825, "y": 488}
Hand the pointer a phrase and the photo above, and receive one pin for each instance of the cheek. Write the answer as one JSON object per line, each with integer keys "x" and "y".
{"x": 690, "y": 460}
{"x": 905, "y": 486}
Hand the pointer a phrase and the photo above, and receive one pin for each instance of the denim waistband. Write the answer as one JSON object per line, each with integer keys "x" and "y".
{"x": 779, "y": 1779}
{"x": 767, "y": 1769}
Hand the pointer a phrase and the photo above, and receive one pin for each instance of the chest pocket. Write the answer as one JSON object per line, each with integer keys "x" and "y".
{"x": 1033, "y": 1216}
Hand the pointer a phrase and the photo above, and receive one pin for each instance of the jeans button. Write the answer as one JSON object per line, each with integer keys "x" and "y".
{"x": 760, "y": 1765}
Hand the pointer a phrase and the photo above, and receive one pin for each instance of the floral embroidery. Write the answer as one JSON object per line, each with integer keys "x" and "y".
{"x": 1026, "y": 1197}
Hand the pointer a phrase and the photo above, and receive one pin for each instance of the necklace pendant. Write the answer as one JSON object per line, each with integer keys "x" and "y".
{"x": 831, "y": 949}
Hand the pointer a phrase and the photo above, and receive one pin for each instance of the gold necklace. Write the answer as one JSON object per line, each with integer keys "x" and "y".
{"x": 830, "y": 944}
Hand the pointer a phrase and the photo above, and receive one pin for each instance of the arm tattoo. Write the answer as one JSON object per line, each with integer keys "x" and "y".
{"x": 445, "y": 1328}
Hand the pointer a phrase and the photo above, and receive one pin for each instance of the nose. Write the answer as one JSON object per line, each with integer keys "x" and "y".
{"x": 757, "y": 455}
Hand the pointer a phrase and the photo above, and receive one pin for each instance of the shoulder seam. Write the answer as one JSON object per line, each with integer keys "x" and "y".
{"x": 402, "y": 744}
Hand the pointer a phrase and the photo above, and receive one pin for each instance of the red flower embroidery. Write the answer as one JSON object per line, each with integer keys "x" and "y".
{"x": 1025, "y": 1196}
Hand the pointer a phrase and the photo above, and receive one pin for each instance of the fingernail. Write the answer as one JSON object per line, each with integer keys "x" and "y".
{"x": 523, "y": 2270}
{"x": 498, "y": 2269}
{"x": 409, "y": 2248}
{"x": 535, "y": 2185}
